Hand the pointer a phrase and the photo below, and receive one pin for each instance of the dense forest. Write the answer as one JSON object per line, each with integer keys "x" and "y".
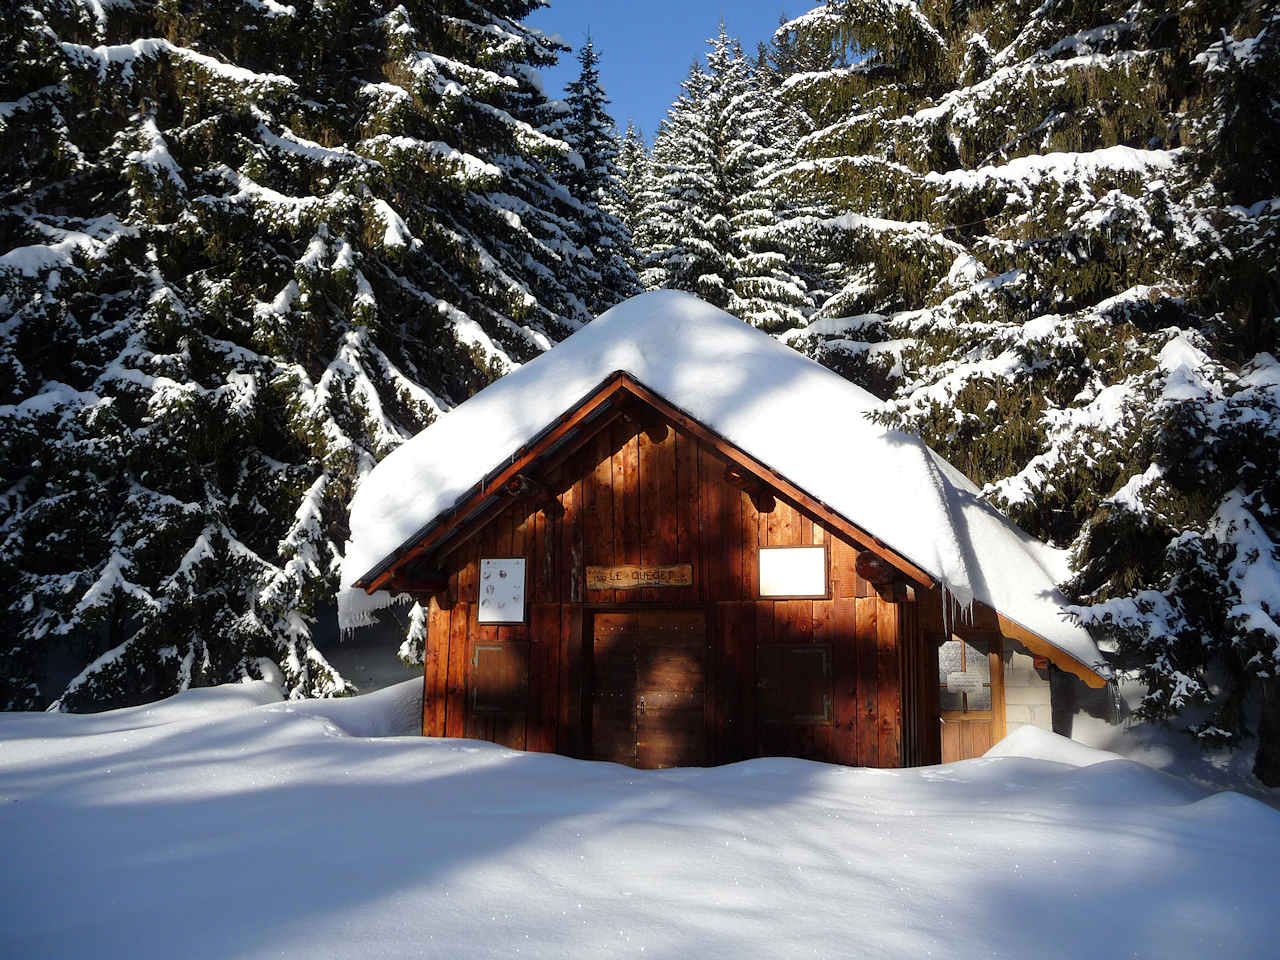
{"x": 249, "y": 248}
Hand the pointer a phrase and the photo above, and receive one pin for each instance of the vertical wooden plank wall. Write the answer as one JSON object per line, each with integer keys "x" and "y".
{"x": 632, "y": 497}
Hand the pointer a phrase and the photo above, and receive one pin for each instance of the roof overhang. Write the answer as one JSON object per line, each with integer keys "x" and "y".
{"x": 1058, "y": 657}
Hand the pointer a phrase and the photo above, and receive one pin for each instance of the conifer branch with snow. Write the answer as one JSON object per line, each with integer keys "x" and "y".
{"x": 246, "y": 254}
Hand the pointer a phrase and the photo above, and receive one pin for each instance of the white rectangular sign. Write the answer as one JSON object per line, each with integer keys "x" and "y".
{"x": 501, "y": 590}
{"x": 793, "y": 571}
{"x": 965, "y": 682}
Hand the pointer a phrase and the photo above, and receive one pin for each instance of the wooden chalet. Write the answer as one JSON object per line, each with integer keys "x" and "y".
{"x": 631, "y": 585}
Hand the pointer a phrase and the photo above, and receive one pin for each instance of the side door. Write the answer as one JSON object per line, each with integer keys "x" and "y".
{"x": 970, "y": 694}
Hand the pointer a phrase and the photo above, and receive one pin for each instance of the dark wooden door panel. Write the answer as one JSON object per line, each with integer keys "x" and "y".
{"x": 500, "y": 678}
{"x": 795, "y": 683}
{"x": 669, "y": 663}
{"x": 613, "y": 713}
{"x": 613, "y": 732}
{"x": 649, "y": 692}
{"x": 671, "y": 737}
{"x": 615, "y": 664}
{"x": 671, "y": 653}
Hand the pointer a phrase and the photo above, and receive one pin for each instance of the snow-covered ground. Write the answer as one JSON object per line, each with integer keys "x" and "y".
{"x": 1170, "y": 749}
{"x": 224, "y": 823}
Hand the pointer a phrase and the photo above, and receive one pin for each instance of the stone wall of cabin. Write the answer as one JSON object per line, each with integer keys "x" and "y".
{"x": 1027, "y": 700}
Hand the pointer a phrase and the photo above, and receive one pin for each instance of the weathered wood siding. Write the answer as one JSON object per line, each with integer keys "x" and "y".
{"x": 629, "y": 497}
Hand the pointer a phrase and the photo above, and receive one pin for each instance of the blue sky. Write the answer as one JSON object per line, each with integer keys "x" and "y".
{"x": 646, "y": 48}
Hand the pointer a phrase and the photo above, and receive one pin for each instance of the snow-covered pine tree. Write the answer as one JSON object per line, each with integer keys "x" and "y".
{"x": 598, "y": 187}
{"x": 684, "y": 223}
{"x": 781, "y": 63}
{"x": 248, "y": 248}
{"x": 650, "y": 227}
{"x": 771, "y": 287}
{"x": 1057, "y": 224}
{"x": 705, "y": 208}
{"x": 730, "y": 123}
{"x": 633, "y": 176}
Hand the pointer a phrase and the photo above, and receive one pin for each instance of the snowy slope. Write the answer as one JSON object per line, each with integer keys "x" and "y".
{"x": 771, "y": 401}
{"x": 222, "y": 829}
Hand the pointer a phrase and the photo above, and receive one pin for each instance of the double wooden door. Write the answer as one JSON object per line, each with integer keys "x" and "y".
{"x": 649, "y": 686}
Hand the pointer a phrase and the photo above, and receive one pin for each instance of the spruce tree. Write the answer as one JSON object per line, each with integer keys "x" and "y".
{"x": 708, "y": 207}
{"x": 1056, "y": 239}
{"x": 597, "y": 185}
{"x": 771, "y": 288}
{"x": 686, "y": 227}
{"x": 249, "y": 248}
{"x": 633, "y": 176}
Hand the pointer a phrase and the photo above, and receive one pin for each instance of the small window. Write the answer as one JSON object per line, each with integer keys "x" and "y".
{"x": 793, "y": 572}
{"x": 795, "y": 683}
{"x": 964, "y": 676}
{"x": 499, "y": 677}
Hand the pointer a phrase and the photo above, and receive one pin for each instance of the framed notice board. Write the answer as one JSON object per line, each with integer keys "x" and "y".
{"x": 502, "y": 590}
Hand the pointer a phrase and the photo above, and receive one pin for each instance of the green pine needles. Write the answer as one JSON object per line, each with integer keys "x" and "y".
{"x": 1046, "y": 233}
{"x": 1056, "y": 251}
{"x": 250, "y": 248}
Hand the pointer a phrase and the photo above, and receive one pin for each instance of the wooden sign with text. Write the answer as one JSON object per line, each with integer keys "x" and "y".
{"x": 631, "y": 577}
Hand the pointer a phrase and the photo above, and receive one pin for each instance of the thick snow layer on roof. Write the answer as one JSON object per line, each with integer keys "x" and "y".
{"x": 805, "y": 422}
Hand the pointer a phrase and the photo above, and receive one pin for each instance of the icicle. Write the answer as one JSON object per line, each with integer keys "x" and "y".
{"x": 961, "y": 598}
{"x": 358, "y": 609}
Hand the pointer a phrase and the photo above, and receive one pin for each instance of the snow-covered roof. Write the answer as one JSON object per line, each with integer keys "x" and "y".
{"x": 786, "y": 411}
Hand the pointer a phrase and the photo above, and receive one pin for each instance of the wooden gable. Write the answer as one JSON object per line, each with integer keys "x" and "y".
{"x": 620, "y": 403}
{"x": 693, "y": 670}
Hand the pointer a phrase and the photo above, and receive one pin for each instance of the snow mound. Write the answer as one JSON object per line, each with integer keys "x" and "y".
{"x": 1120, "y": 781}
{"x": 774, "y": 403}
{"x": 202, "y": 704}
{"x": 394, "y": 711}
{"x": 1036, "y": 744}
{"x": 1099, "y": 777}
{"x": 278, "y": 830}
{"x": 1235, "y": 813}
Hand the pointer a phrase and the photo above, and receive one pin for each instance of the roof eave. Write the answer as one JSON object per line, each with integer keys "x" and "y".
{"x": 1057, "y": 656}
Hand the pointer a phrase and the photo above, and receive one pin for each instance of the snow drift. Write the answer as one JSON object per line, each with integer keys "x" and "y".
{"x": 220, "y": 824}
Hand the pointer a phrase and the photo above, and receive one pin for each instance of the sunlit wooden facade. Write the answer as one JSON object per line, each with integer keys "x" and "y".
{"x": 694, "y": 665}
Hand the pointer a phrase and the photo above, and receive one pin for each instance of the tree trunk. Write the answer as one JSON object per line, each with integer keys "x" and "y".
{"x": 1266, "y": 765}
